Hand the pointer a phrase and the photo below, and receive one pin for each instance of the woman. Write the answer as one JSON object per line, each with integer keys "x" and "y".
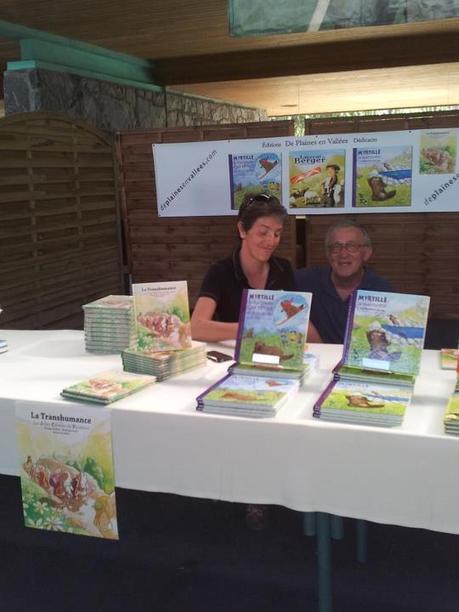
{"x": 251, "y": 266}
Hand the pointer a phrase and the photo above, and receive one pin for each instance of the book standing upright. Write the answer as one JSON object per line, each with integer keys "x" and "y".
{"x": 383, "y": 345}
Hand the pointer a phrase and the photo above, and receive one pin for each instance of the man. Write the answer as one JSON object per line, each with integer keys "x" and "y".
{"x": 348, "y": 248}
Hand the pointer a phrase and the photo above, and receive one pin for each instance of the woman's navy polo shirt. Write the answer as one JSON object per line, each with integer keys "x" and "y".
{"x": 225, "y": 281}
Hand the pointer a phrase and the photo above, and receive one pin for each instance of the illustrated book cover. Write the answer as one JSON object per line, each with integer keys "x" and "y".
{"x": 317, "y": 178}
{"x": 254, "y": 173}
{"x": 438, "y": 151}
{"x": 365, "y": 403}
{"x": 382, "y": 176}
{"x": 107, "y": 387}
{"x": 385, "y": 334}
{"x": 242, "y": 395}
{"x": 162, "y": 316}
{"x": 273, "y": 328}
{"x": 66, "y": 469}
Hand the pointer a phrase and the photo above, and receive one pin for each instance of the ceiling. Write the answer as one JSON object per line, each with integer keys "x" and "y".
{"x": 401, "y": 66}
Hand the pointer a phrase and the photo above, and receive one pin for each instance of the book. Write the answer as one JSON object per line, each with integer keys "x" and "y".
{"x": 384, "y": 335}
{"x": 250, "y": 396}
{"x": 273, "y": 328}
{"x": 317, "y": 178}
{"x": 107, "y": 387}
{"x": 449, "y": 358}
{"x": 109, "y": 324}
{"x": 381, "y": 357}
{"x": 438, "y": 151}
{"x": 365, "y": 403}
{"x": 166, "y": 364}
{"x": 162, "y": 316}
{"x": 254, "y": 173}
{"x": 382, "y": 176}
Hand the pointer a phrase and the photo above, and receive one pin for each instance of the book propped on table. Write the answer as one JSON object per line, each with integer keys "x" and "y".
{"x": 3, "y": 343}
{"x": 270, "y": 363}
{"x": 449, "y": 358}
{"x": 107, "y": 387}
{"x": 382, "y": 352}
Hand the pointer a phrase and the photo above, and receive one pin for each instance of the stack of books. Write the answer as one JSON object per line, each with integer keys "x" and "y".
{"x": 106, "y": 387}
{"x": 373, "y": 383}
{"x": 109, "y": 324}
{"x": 448, "y": 358}
{"x": 269, "y": 356}
{"x": 3, "y": 343}
{"x": 164, "y": 364}
{"x": 162, "y": 321}
{"x": 451, "y": 418}
{"x": 247, "y": 396}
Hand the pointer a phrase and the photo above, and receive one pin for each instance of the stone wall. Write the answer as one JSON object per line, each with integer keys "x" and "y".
{"x": 112, "y": 107}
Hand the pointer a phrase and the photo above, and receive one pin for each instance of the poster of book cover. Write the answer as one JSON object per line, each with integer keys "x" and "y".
{"x": 254, "y": 173}
{"x": 382, "y": 176}
{"x": 162, "y": 316}
{"x": 437, "y": 151}
{"x": 316, "y": 178}
{"x": 67, "y": 475}
{"x": 387, "y": 331}
{"x": 273, "y": 327}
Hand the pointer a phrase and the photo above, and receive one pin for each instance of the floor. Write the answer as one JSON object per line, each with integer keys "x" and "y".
{"x": 187, "y": 555}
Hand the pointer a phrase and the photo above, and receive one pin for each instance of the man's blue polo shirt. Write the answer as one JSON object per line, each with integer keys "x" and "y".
{"x": 328, "y": 310}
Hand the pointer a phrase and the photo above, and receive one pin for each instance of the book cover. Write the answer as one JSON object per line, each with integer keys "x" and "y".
{"x": 317, "y": 178}
{"x": 162, "y": 316}
{"x": 272, "y": 328}
{"x": 382, "y": 176}
{"x": 449, "y": 358}
{"x": 385, "y": 332}
{"x": 247, "y": 391}
{"x": 107, "y": 387}
{"x": 254, "y": 173}
{"x": 438, "y": 151}
{"x": 67, "y": 472}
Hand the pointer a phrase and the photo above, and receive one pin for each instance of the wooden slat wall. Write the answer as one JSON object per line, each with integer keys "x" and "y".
{"x": 418, "y": 252}
{"x": 59, "y": 221}
{"x": 160, "y": 249}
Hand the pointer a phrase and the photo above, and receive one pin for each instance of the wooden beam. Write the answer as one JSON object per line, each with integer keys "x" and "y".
{"x": 343, "y": 55}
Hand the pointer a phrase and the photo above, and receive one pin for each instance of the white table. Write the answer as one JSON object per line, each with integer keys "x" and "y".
{"x": 404, "y": 476}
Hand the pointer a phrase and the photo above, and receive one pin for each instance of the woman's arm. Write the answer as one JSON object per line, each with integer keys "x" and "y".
{"x": 313, "y": 334}
{"x": 202, "y": 326}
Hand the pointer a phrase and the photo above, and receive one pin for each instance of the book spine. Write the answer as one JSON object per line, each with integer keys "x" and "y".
{"x": 240, "y": 329}
{"x": 201, "y": 396}
{"x": 354, "y": 174}
{"x": 323, "y": 395}
{"x": 349, "y": 322}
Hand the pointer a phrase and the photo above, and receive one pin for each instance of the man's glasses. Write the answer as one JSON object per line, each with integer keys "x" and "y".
{"x": 350, "y": 247}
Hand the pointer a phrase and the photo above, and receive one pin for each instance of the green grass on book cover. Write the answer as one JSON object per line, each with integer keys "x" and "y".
{"x": 367, "y": 397}
{"x": 250, "y": 390}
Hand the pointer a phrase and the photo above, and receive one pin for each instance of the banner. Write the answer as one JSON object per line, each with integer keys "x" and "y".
{"x": 67, "y": 476}
{"x": 404, "y": 171}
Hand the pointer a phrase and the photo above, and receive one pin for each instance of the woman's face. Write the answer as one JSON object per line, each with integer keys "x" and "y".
{"x": 262, "y": 239}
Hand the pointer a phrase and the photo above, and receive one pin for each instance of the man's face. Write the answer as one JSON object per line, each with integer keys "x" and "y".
{"x": 347, "y": 253}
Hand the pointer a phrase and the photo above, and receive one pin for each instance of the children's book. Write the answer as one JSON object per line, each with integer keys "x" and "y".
{"x": 66, "y": 468}
{"x": 382, "y": 353}
{"x": 254, "y": 173}
{"x": 384, "y": 336}
{"x": 382, "y": 176}
{"x": 107, "y": 387}
{"x": 449, "y": 358}
{"x": 273, "y": 328}
{"x": 317, "y": 178}
{"x": 241, "y": 395}
{"x": 162, "y": 316}
{"x": 438, "y": 151}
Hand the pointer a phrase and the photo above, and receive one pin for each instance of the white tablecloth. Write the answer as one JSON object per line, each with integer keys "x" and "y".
{"x": 405, "y": 476}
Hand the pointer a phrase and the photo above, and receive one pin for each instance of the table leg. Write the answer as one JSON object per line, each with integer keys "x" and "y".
{"x": 324, "y": 562}
{"x": 309, "y": 523}
{"x": 361, "y": 527}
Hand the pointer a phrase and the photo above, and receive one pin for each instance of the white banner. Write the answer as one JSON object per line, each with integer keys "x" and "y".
{"x": 406, "y": 171}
